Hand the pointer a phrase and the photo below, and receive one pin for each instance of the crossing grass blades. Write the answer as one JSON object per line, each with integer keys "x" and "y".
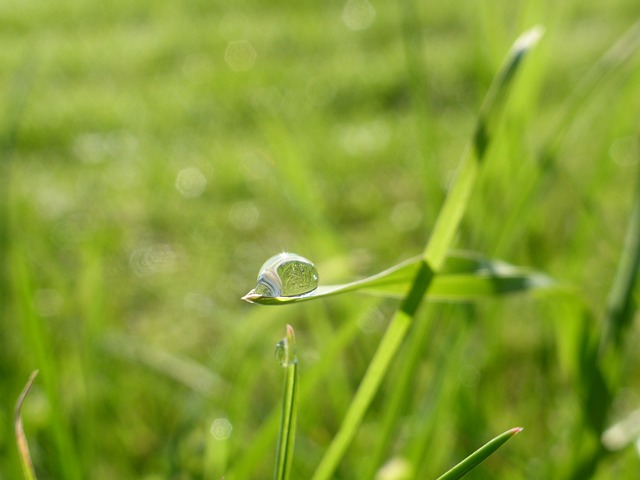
{"x": 438, "y": 273}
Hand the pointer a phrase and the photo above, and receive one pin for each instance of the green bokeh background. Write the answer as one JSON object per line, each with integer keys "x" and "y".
{"x": 154, "y": 154}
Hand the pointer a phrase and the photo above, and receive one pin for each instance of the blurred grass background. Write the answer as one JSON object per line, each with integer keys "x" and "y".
{"x": 154, "y": 154}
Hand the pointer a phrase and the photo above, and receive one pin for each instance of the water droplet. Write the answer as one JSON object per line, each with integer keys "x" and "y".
{"x": 281, "y": 352}
{"x": 286, "y": 275}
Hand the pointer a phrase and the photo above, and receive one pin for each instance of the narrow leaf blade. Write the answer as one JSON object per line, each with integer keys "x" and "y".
{"x": 479, "y": 456}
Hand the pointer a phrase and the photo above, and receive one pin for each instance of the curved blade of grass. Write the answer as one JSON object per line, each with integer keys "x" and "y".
{"x": 21, "y": 439}
{"x": 464, "y": 276}
{"x": 286, "y": 441}
{"x": 479, "y": 456}
{"x": 434, "y": 255}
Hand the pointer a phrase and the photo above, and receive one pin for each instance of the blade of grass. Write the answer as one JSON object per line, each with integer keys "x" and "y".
{"x": 21, "y": 439}
{"x": 464, "y": 276}
{"x": 434, "y": 254}
{"x": 610, "y": 64}
{"x": 330, "y": 353}
{"x": 42, "y": 350}
{"x": 621, "y": 306}
{"x": 477, "y": 457}
{"x": 427, "y": 450}
{"x": 602, "y": 368}
{"x": 286, "y": 442}
{"x": 419, "y": 341}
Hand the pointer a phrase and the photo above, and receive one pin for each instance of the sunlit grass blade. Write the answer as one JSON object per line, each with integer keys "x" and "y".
{"x": 479, "y": 456}
{"x": 286, "y": 442}
{"x": 21, "y": 439}
{"x": 464, "y": 276}
{"x": 434, "y": 255}
{"x": 488, "y": 119}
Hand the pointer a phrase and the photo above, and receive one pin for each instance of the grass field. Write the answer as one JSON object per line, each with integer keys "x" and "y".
{"x": 154, "y": 154}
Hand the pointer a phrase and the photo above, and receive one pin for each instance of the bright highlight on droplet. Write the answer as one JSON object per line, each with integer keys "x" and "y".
{"x": 191, "y": 182}
{"x": 240, "y": 55}
{"x": 221, "y": 428}
{"x": 358, "y": 14}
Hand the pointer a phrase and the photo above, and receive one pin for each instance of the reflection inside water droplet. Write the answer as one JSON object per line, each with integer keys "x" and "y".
{"x": 286, "y": 275}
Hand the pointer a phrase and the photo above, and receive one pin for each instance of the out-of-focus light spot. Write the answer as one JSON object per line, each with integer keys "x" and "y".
{"x": 364, "y": 139}
{"x": 191, "y": 182}
{"x": 625, "y": 151}
{"x": 373, "y": 322}
{"x": 52, "y": 202}
{"x": 244, "y": 215}
{"x": 623, "y": 433}
{"x": 152, "y": 259}
{"x": 196, "y": 65}
{"x": 240, "y": 55}
{"x": 358, "y": 14}
{"x": 95, "y": 148}
{"x": 198, "y": 302}
{"x": 395, "y": 469}
{"x": 221, "y": 428}
{"x": 406, "y": 216}
{"x": 48, "y": 302}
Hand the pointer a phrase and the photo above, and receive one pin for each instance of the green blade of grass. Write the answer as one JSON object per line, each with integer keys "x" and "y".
{"x": 434, "y": 254}
{"x": 590, "y": 87}
{"x": 21, "y": 440}
{"x": 488, "y": 119}
{"x": 41, "y": 346}
{"x": 620, "y": 305}
{"x": 480, "y": 455}
{"x": 464, "y": 276}
{"x": 286, "y": 441}
{"x": 330, "y": 353}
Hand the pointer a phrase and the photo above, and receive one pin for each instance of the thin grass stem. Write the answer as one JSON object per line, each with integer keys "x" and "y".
{"x": 286, "y": 441}
{"x": 21, "y": 440}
